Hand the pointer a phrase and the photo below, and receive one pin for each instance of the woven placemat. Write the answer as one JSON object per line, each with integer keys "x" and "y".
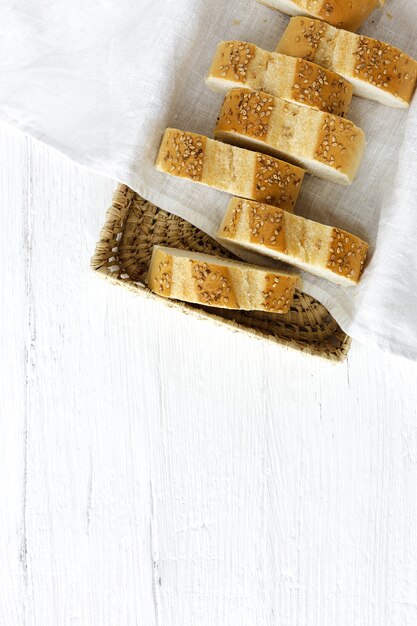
{"x": 123, "y": 252}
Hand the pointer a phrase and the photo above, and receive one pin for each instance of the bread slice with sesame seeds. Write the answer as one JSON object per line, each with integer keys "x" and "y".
{"x": 325, "y": 251}
{"x": 377, "y": 70}
{"x": 326, "y": 145}
{"x": 223, "y": 283}
{"x": 235, "y": 170}
{"x": 349, "y": 14}
{"x": 237, "y": 63}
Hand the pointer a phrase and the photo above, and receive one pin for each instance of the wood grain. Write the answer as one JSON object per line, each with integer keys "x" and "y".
{"x": 156, "y": 470}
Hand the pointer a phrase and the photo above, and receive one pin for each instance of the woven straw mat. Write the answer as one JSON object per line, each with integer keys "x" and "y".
{"x": 123, "y": 252}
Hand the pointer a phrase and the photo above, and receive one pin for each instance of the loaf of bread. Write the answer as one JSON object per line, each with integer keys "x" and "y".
{"x": 212, "y": 281}
{"x": 325, "y": 251}
{"x": 235, "y": 170}
{"x": 325, "y": 145}
{"x": 377, "y": 70}
{"x": 349, "y": 14}
{"x": 243, "y": 64}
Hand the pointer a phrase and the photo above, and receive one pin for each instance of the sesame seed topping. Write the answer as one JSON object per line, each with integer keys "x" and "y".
{"x": 373, "y": 59}
{"x": 277, "y": 182}
{"x": 278, "y": 293}
{"x": 215, "y": 284}
{"x": 184, "y": 154}
{"x": 233, "y": 59}
{"x": 347, "y": 254}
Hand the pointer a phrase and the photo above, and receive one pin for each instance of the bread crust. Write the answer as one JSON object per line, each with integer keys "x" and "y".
{"x": 378, "y": 71}
{"x": 221, "y": 283}
{"x": 325, "y": 145}
{"x": 229, "y": 168}
{"x": 326, "y": 251}
{"x": 340, "y": 13}
{"x": 240, "y": 64}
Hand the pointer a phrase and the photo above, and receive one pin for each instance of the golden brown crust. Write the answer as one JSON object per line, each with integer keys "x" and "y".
{"x": 343, "y": 14}
{"x": 320, "y": 249}
{"x": 209, "y": 162}
{"x": 385, "y": 67}
{"x": 245, "y": 111}
{"x": 279, "y": 75}
{"x": 374, "y": 62}
{"x": 302, "y": 38}
{"x": 322, "y": 89}
{"x": 347, "y": 255}
{"x": 276, "y": 182}
{"x": 278, "y": 293}
{"x": 183, "y": 154}
{"x": 160, "y": 277}
{"x": 337, "y": 143}
{"x": 349, "y": 14}
{"x": 232, "y": 60}
{"x": 213, "y": 281}
{"x": 213, "y": 284}
{"x": 256, "y": 115}
{"x": 266, "y": 226}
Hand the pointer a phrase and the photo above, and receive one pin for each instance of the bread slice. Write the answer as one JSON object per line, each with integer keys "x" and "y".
{"x": 377, "y": 70}
{"x": 212, "y": 281}
{"x": 237, "y": 63}
{"x": 325, "y": 251}
{"x": 349, "y": 14}
{"x": 235, "y": 170}
{"x": 325, "y": 145}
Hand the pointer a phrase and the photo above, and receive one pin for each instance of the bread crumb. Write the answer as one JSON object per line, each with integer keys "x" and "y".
{"x": 235, "y": 22}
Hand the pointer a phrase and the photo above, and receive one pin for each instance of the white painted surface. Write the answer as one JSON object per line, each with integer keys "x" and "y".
{"x": 156, "y": 470}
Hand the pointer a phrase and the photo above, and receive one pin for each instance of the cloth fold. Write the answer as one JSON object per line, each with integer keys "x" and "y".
{"x": 100, "y": 81}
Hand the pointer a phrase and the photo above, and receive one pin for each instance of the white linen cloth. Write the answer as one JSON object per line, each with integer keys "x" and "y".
{"x": 100, "y": 81}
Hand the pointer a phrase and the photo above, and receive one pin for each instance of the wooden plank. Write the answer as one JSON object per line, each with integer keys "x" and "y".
{"x": 14, "y": 367}
{"x": 88, "y": 496}
{"x": 339, "y": 498}
{"x": 160, "y": 470}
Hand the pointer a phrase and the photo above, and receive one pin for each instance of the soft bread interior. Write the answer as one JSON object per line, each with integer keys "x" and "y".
{"x": 339, "y": 50}
{"x": 220, "y": 85}
{"x": 246, "y": 284}
{"x": 208, "y": 258}
{"x": 364, "y": 89}
{"x": 286, "y": 6}
{"x": 306, "y": 244}
{"x": 321, "y": 170}
{"x": 321, "y": 272}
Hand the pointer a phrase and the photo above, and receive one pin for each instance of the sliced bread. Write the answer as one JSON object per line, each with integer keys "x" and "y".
{"x": 237, "y": 63}
{"x": 235, "y": 170}
{"x": 212, "y": 281}
{"x": 377, "y": 70}
{"x": 325, "y": 145}
{"x": 325, "y": 251}
{"x": 349, "y": 14}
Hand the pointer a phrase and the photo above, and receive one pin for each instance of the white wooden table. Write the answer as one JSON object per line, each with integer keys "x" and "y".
{"x": 157, "y": 470}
